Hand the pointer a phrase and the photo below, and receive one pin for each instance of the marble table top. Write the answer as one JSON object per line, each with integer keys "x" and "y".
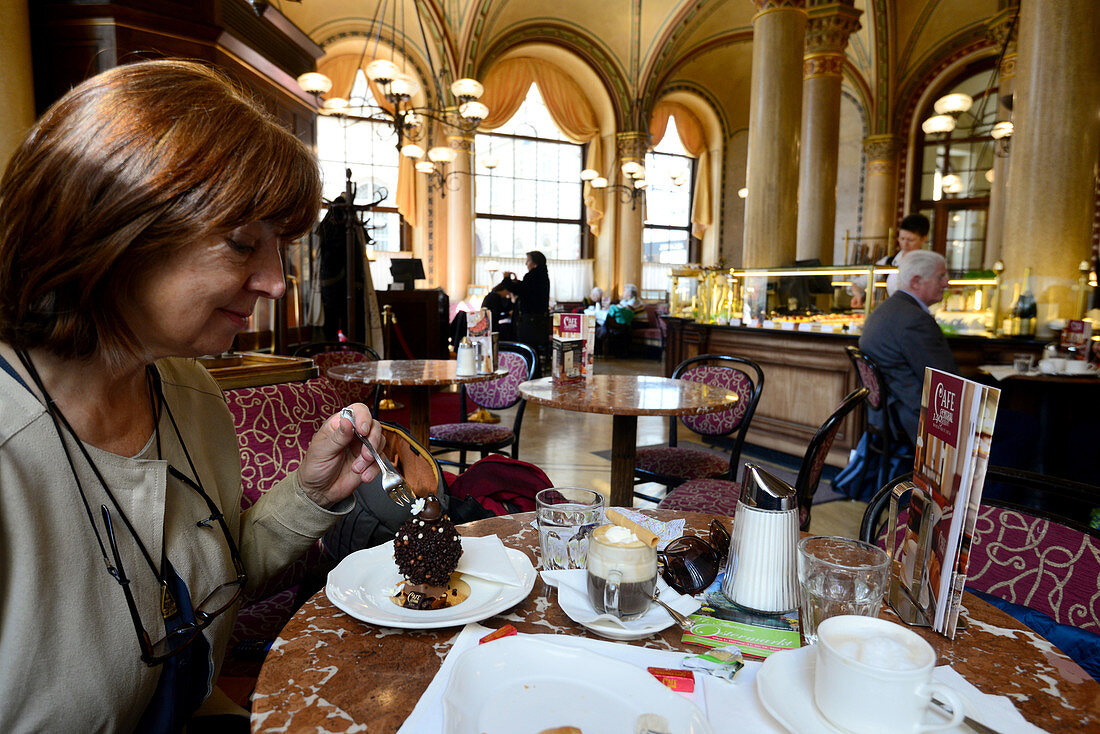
{"x": 629, "y": 395}
{"x": 330, "y": 672}
{"x": 407, "y": 372}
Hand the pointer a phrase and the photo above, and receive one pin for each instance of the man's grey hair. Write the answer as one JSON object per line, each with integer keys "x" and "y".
{"x": 630, "y": 290}
{"x": 922, "y": 263}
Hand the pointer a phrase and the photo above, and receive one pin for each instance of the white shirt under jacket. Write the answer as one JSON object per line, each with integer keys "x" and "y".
{"x": 69, "y": 656}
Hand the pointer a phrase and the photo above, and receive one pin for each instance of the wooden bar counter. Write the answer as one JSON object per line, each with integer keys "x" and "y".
{"x": 807, "y": 374}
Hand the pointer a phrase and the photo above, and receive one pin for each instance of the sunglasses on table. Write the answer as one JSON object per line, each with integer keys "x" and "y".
{"x": 690, "y": 563}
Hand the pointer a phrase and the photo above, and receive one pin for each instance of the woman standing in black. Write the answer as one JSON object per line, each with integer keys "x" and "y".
{"x": 533, "y": 292}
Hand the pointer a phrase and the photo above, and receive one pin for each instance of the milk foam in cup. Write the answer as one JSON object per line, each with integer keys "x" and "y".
{"x": 876, "y": 676}
{"x": 622, "y": 572}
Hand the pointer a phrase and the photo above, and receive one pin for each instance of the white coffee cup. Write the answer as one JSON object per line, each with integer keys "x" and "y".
{"x": 1078, "y": 366}
{"x": 1052, "y": 365}
{"x": 876, "y": 676}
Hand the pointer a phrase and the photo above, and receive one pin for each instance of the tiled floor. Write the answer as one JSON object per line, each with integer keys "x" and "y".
{"x": 564, "y": 445}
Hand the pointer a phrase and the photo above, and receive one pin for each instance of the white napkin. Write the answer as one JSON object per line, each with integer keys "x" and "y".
{"x": 666, "y": 532}
{"x": 427, "y": 715}
{"x": 1000, "y": 371}
{"x": 485, "y": 558}
{"x": 996, "y": 712}
{"x": 572, "y": 588}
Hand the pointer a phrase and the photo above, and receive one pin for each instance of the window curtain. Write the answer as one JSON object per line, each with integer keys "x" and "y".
{"x": 695, "y": 143}
{"x": 506, "y": 87}
{"x": 341, "y": 70}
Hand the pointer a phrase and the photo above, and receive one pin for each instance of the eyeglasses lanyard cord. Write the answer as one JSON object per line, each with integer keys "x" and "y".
{"x": 59, "y": 419}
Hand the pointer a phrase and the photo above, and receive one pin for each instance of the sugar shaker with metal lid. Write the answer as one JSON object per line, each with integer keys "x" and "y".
{"x": 467, "y": 359}
{"x": 761, "y": 571}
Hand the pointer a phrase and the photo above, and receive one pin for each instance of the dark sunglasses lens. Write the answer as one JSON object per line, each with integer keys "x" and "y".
{"x": 690, "y": 569}
{"x": 175, "y": 641}
{"x": 219, "y": 599}
{"x": 720, "y": 538}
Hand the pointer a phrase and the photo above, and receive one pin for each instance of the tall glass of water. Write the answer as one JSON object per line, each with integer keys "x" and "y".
{"x": 566, "y": 517}
{"x": 839, "y": 576}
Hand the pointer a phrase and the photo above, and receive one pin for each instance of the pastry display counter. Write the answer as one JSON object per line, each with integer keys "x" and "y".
{"x": 807, "y": 374}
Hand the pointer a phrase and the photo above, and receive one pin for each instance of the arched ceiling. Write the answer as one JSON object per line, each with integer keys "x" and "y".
{"x": 644, "y": 48}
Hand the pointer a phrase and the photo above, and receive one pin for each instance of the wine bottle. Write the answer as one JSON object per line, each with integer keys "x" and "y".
{"x": 1024, "y": 310}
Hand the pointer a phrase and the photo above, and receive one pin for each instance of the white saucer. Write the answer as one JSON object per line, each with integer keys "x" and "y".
{"x": 785, "y": 687}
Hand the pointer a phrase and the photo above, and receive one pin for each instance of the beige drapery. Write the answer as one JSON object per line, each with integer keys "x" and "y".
{"x": 506, "y": 87}
{"x": 695, "y": 143}
{"x": 341, "y": 70}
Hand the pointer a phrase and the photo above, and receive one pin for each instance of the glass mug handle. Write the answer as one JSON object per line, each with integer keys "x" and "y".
{"x": 611, "y": 593}
{"x": 948, "y": 696}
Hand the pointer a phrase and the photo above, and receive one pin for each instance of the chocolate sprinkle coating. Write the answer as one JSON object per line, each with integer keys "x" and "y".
{"x": 425, "y": 557}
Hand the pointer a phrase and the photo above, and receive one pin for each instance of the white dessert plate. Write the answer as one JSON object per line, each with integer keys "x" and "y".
{"x": 785, "y": 687}
{"x": 517, "y": 685}
{"x": 361, "y": 583}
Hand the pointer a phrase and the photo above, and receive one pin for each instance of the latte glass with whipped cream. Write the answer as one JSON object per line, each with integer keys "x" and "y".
{"x": 622, "y": 572}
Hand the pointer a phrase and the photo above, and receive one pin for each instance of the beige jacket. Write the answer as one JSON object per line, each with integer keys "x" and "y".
{"x": 69, "y": 656}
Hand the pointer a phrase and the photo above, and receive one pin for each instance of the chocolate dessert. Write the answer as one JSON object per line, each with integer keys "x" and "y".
{"x": 426, "y": 549}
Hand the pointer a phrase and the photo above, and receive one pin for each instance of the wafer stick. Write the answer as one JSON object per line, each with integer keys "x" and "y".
{"x": 643, "y": 534}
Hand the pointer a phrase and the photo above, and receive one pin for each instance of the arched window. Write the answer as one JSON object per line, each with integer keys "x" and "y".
{"x": 670, "y": 177}
{"x": 528, "y": 187}
{"x": 956, "y": 171}
{"x": 365, "y": 142}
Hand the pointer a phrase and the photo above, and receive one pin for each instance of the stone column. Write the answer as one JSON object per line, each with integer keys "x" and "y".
{"x": 17, "y": 93}
{"x": 1002, "y": 31}
{"x": 775, "y": 115}
{"x": 827, "y": 31}
{"x": 880, "y": 190}
{"x": 631, "y": 211}
{"x": 459, "y": 195}
{"x": 1056, "y": 106}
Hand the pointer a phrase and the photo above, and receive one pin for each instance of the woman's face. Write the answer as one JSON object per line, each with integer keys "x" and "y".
{"x": 199, "y": 299}
{"x": 530, "y": 263}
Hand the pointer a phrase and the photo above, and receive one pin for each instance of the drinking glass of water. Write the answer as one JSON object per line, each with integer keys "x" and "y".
{"x": 566, "y": 516}
{"x": 839, "y": 576}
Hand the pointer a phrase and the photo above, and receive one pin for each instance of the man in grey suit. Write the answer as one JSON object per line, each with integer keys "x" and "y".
{"x": 902, "y": 337}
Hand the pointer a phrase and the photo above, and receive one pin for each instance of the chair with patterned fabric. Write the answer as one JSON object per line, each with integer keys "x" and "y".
{"x": 497, "y": 394}
{"x": 673, "y": 465}
{"x": 720, "y": 496}
{"x": 330, "y": 354}
{"x": 1043, "y": 560}
{"x": 885, "y": 436}
{"x": 275, "y": 424}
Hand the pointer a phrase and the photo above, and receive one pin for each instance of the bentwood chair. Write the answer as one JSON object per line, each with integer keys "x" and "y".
{"x": 498, "y": 394}
{"x": 1037, "y": 562}
{"x": 885, "y": 437}
{"x": 330, "y": 354}
{"x": 719, "y": 497}
{"x": 673, "y": 465}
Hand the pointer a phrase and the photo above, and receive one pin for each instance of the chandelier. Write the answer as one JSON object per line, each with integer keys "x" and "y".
{"x": 412, "y": 124}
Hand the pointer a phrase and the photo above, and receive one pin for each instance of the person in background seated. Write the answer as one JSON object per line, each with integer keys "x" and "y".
{"x": 594, "y": 297}
{"x": 499, "y": 302}
{"x": 903, "y": 338}
{"x": 141, "y": 221}
{"x": 596, "y": 304}
{"x": 533, "y": 304}
{"x": 912, "y": 236}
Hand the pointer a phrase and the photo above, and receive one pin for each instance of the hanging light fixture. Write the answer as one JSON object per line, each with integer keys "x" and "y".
{"x": 461, "y": 113}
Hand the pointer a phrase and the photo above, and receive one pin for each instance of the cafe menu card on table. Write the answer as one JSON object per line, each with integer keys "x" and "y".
{"x": 479, "y": 328}
{"x": 956, "y": 428}
{"x": 720, "y": 622}
{"x": 1077, "y": 334}
{"x": 573, "y": 346}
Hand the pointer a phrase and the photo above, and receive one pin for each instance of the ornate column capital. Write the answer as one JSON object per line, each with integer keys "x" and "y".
{"x": 828, "y": 26}
{"x": 632, "y": 144}
{"x": 881, "y": 152}
{"x": 765, "y": 6}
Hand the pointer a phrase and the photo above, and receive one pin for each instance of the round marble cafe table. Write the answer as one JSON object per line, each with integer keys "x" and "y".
{"x": 331, "y": 672}
{"x": 419, "y": 374}
{"x": 625, "y": 397}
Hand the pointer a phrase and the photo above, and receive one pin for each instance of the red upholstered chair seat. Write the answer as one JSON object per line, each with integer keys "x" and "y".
{"x": 473, "y": 433}
{"x": 680, "y": 461}
{"x": 716, "y": 496}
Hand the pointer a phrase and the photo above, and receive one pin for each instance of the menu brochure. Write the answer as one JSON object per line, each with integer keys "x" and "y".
{"x": 956, "y": 428}
{"x": 1077, "y": 333}
{"x": 479, "y": 323}
{"x": 575, "y": 327}
{"x": 719, "y": 622}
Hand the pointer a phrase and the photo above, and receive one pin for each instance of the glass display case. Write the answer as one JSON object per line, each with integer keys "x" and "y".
{"x": 820, "y": 298}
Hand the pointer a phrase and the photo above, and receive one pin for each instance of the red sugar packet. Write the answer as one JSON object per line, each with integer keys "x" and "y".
{"x": 505, "y": 631}
{"x": 677, "y": 681}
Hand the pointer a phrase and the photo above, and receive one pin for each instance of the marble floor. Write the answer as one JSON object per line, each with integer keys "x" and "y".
{"x": 568, "y": 447}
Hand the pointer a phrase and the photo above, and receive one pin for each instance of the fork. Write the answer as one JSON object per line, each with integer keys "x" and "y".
{"x": 392, "y": 481}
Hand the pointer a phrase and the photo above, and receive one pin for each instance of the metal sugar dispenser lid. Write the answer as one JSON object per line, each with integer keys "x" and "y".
{"x": 761, "y": 571}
